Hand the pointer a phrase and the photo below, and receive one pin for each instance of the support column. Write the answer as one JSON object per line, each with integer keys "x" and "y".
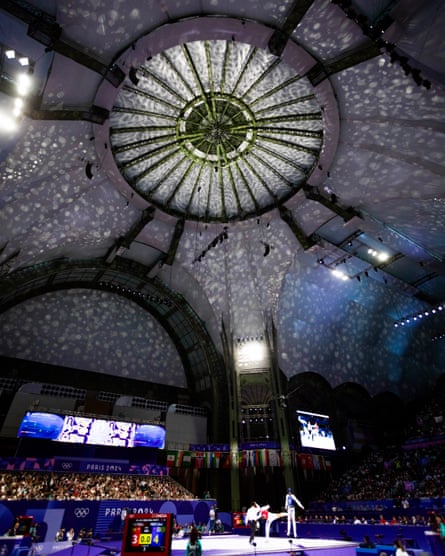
{"x": 281, "y": 410}
{"x": 232, "y": 380}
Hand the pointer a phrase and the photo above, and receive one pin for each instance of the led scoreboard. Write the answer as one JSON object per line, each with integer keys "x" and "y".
{"x": 147, "y": 533}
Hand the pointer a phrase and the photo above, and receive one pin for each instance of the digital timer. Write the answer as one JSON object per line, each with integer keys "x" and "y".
{"x": 145, "y": 538}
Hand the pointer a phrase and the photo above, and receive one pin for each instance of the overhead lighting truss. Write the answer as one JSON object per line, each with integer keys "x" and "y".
{"x": 415, "y": 318}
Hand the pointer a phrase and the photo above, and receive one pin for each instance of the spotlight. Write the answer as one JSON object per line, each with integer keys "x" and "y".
{"x": 132, "y": 76}
{"x": 18, "y": 107}
{"x": 23, "y": 84}
{"x": 339, "y": 274}
{"x": 8, "y": 123}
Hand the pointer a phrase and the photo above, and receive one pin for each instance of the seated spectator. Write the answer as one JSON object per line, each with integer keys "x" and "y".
{"x": 367, "y": 543}
{"x": 219, "y": 527}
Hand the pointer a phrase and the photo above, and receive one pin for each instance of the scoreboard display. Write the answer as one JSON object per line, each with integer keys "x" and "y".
{"x": 147, "y": 533}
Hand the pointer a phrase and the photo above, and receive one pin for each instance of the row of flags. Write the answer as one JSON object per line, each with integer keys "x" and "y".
{"x": 244, "y": 459}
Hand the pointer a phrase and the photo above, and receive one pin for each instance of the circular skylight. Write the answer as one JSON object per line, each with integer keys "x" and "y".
{"x": 216, "y": 130}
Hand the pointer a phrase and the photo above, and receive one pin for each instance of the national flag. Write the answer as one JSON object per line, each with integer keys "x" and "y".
{"x": 186, "y": 459}
{"x": 263, "y": 456}
{"x": 274, "y": 458}
{"x": 171, "y": 458}
{"x": 217, "y": 459}
{"x": 199, "y": 460}
{"x": 226, "y": 461}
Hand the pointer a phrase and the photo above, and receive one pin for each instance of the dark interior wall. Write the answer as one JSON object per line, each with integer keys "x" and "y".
{"x": 23, "y": 371}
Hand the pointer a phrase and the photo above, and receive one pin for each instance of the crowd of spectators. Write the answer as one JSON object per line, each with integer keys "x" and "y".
{"x": 182, "y": 531}
{"x": 412, "y": 470}
{"x": 392, "y": 473}
{"x": 374, "y": 519}
{"x": 39, "y": 485}
{"x": 430, "y": 418}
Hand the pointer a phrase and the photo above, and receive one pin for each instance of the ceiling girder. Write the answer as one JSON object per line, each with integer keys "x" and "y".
{"x": 349, "y": 59}
{"x": 125, "y": 242}
{"x": 44, "y": 28}
{"x": 286, "y": 215}
{"x": 171, "y": 253}
{"x": 93, "y": 113}
{"x": 278, "y": 40}
{"x": 313, "y": 194}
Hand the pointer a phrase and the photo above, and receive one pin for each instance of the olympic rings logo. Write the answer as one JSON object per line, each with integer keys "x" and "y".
{"x": 81, "y": 512}
{"x": 66, "y": 465}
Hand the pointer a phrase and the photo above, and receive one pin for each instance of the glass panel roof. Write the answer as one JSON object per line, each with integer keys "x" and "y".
{"x": 216, "y": 130}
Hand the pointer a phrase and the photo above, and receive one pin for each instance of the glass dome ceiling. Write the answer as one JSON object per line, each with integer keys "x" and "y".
{"x": 216, "y": 130}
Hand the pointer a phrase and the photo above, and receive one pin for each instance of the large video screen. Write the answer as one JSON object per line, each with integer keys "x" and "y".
{"x": 147, "y": 533}
{"x": 87, "y": 430}
{"x": 315, "y": 431}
